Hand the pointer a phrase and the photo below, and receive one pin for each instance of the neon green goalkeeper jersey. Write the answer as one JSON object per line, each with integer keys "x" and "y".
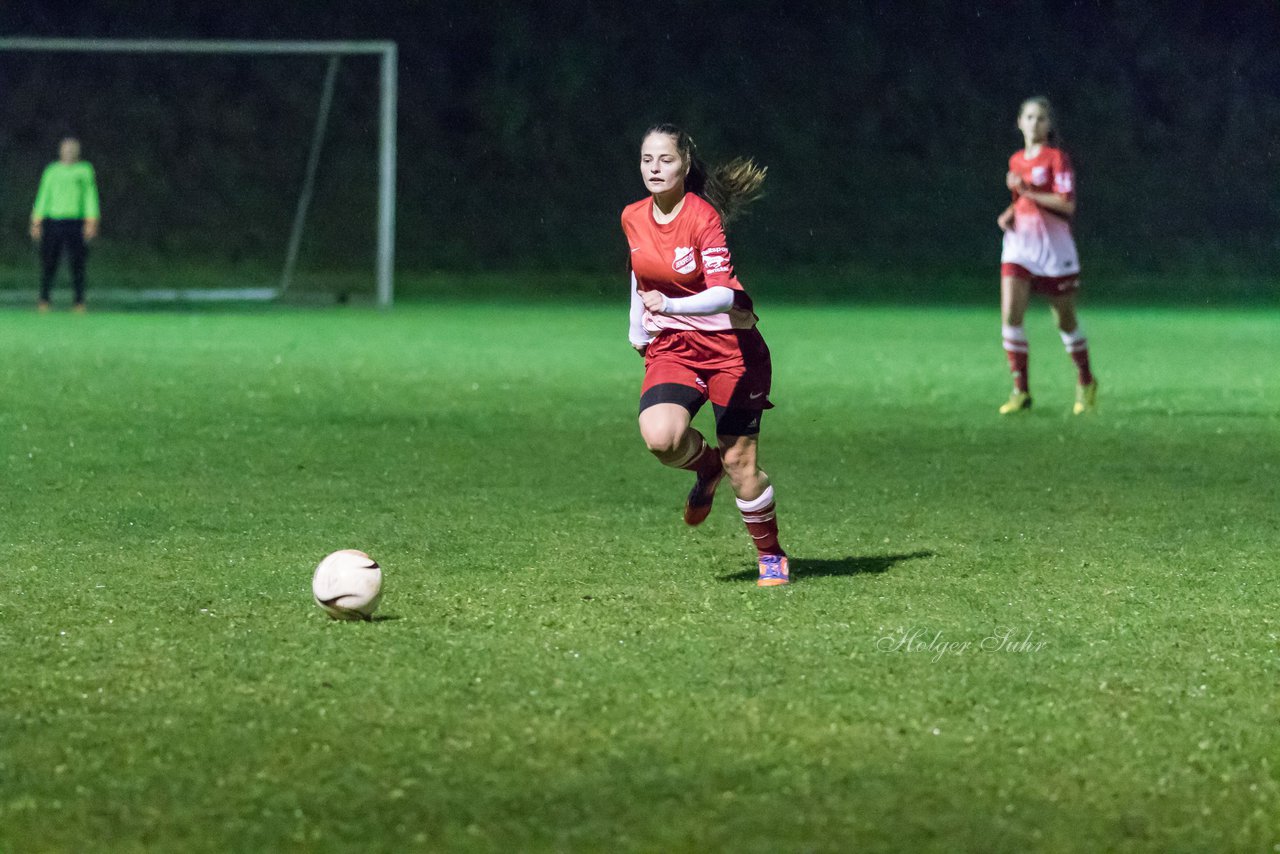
{"x": 67, "y": 191}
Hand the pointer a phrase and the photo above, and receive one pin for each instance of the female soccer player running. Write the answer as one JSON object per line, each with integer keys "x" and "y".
{"x": 1039, "y": 253}
{"x": 694, "y": 324}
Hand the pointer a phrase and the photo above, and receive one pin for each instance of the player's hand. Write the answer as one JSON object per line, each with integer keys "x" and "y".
{"x": 653, "y": 301}
{"x": 36, "y": 230}
{"x": 640, "y": 348}
{"x": 1005, "y": 220}
{"x": 1014, "y": 182}
{"x": 90, "y": 229}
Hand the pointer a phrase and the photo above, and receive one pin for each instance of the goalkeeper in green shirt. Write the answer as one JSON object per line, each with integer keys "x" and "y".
{"x": 65, "y": 218}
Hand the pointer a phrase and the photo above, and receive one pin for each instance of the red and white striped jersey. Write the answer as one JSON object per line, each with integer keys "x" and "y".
{"x": 684, "y": 257}
{"x": 1041, "y": 240}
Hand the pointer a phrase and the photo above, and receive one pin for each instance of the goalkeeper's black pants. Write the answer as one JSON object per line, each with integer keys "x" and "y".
{"x": 56, "y": 236}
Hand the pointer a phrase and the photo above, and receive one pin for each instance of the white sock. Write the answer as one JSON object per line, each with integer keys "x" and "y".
{"x": 1015, "y": 338}
{"x": 1074, "y": 340}
{"x": 758, "y": 509}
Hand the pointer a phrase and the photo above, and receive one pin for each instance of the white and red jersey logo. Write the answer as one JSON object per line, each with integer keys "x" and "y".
{"x": 716, "y": 259}
{"x": 686, "y": 260}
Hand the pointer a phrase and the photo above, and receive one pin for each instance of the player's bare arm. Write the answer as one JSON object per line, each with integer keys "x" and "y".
{"x": 1055, "y": 202}
{"x": 1005, "y": 220}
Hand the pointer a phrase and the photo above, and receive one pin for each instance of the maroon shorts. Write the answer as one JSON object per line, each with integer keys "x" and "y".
{"x": 1050, "y": 286}
{"x": 731, "y": 369}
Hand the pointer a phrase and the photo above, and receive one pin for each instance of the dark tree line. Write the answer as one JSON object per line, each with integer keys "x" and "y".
{"x": 885, "y": 126}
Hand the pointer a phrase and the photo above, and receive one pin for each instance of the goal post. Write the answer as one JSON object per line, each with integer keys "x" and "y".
{"x": 385, "y": 50}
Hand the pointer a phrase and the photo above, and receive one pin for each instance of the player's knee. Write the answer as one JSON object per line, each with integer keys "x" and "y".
{"x": 662, "y": 441}
{"x": 738, "y": 462}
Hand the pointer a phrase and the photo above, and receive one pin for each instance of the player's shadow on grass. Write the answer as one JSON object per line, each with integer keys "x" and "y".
{"x": 806, "y": 568}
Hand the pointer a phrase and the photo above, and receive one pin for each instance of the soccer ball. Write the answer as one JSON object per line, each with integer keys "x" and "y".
{"x": 347, "y": 585}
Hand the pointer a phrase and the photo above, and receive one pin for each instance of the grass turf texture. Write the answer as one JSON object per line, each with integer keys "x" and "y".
{"x": 561, "y": 665}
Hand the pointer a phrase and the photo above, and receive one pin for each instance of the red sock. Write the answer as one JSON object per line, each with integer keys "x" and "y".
{"x": 1018, "y": 367}
{"x": 1015, "y": 347}
{"x": 760, "y": 517}
{"x": 1078, "y": 349}
{"x": 1081, "y": 358}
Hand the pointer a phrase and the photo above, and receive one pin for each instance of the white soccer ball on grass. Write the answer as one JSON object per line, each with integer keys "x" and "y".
{"x": 347, "y": 585}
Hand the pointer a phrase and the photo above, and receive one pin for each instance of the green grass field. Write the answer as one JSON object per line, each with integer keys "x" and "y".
{"x": 1040, "y": 634}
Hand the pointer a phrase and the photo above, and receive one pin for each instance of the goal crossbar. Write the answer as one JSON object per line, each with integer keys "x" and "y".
{"x": 387, "y": 50}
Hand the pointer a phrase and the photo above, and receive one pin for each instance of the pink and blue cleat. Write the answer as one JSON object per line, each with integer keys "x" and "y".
{"x": 775, "y": 571}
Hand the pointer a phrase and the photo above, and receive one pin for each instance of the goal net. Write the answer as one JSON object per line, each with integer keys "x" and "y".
{"x": 226, "y": 169}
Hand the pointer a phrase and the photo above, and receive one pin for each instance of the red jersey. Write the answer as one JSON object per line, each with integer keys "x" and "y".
{"x": 684, "y": 257}
{"x": 1041, "y": 240}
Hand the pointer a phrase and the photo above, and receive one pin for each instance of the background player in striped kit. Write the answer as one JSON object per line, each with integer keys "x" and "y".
{"x": 1039, "y": 253}
{"x": 696, "y": 328}
{"x": 65, "y": 217}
